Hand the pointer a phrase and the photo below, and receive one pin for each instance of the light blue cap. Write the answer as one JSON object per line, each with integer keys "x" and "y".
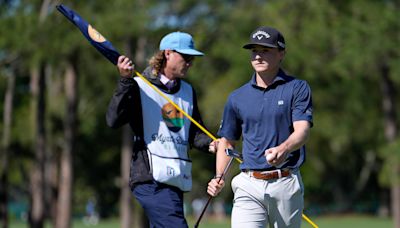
{"x": 180, "y": 42}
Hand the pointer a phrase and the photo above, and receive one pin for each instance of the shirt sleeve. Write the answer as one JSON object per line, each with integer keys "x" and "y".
{"x": 302, "y": 103}
{"x": 197, "y": 138}
{"x": 122, "y": 105}
{"x": 231, "y": 124}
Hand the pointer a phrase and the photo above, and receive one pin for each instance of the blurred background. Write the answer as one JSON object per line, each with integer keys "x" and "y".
{"x": 61, "y": 166}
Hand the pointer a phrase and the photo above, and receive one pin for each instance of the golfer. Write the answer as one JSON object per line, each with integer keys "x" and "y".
{"x": 160, "y": 170}
{"x": 273, "y": 114}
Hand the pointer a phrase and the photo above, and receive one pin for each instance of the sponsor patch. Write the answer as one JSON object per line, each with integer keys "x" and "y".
{"x": 172, "y": 117}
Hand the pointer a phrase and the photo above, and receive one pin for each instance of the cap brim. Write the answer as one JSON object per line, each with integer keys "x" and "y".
{"x": 251, "y": 45}
{"x": 190, "y": 52}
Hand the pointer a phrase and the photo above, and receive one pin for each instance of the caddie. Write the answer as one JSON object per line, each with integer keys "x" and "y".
{"x": 160, "y": 169}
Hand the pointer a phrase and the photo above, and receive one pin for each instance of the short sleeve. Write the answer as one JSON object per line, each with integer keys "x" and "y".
{"x": 302, "y": 103}
{"x": 230, "y": 127}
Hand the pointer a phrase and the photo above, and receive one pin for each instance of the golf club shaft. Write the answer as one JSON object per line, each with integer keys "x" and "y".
{"x": 210, "y": 197}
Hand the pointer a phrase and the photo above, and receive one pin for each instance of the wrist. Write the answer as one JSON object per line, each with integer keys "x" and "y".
{"x": 285, "y": 148}
{"x": 217, "y": 176}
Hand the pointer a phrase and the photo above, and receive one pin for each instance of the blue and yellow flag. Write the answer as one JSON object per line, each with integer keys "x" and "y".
{"x": 95, "y": 38}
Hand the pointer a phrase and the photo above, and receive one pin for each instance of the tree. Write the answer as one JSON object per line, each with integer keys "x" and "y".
{"x": 63, "y": 217}
{"x": 37, "y": 175}
{"x": 5, "y": 146}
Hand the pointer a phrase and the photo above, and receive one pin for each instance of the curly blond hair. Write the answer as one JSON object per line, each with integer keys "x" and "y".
{"x": 157, "y": 62}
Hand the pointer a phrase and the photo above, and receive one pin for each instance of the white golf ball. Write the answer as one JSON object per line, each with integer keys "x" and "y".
{"x": 270, "y": 157}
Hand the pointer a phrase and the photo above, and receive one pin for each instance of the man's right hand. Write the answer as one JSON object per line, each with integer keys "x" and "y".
{"x": 125, "y": 66}
{"x": 214, "y": 188}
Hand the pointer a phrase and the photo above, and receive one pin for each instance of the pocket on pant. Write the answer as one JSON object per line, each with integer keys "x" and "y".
{"x": 300, "y": 182}
{"x": 234, "y": 183}
{"x": 291, "y": 185}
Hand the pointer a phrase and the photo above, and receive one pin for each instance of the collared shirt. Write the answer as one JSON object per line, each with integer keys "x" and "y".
{"x": 265, "y": 116}
{"x": 167, "y": 82}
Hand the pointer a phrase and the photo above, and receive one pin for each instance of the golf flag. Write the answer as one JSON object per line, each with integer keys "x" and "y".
{"x": 95, "y": 38}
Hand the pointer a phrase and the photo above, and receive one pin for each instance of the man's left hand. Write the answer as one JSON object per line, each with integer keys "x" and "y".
{"x": 275, "y": 155}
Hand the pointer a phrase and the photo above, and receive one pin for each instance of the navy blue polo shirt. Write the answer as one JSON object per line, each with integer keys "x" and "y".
{"x": 265, "y": 116}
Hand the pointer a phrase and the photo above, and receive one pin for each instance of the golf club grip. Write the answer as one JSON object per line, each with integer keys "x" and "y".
{"x": 210, "y": 197}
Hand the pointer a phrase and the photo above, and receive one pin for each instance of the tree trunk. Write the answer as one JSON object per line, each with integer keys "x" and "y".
{"x": 51, "y": 190}
{"x": 391, "y": 132}
{"x": 52, "y": 149}
{"x": 37, "y": 176}
{"x": 126, "y": 151}
{"x": 126, "y": 200}
{"x": 38, "y": 86}
{"x": 7, "y": 119}
{"x": 127, "y": 210}
{"x": 140, "y": 62}
{"x": 63, "y": 217}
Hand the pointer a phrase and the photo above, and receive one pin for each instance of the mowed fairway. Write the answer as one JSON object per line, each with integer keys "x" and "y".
{"x": 351, "y": 222}
{"x": 348, "y": 221}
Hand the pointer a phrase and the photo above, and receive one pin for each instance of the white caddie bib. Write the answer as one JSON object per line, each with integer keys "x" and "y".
{"x": 166, "y": 134}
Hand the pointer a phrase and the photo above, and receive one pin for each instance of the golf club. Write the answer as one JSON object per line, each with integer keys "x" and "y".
{"x": 234, "y": 155}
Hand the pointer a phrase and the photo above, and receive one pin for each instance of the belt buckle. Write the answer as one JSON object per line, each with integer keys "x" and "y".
{"x": 250, "y": 173}
{"x": 279, "y": 173}
{"x": 272, "y": 172}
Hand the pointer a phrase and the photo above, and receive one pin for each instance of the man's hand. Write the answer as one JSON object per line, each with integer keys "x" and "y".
{"x": 214, "y": 188}
{"x": 276, "y": 155}
{"x": 125, "y": 66}
{"x": 213, "y": 146}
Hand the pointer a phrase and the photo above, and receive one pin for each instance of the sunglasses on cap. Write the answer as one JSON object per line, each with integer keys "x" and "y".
{"x": 187, "y": 58}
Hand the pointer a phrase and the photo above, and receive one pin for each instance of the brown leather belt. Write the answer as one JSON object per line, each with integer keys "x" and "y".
{"x": 269, "y": 175}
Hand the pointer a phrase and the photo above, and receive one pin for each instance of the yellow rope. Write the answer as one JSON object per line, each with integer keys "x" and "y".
{"x": 309, "y": 221}
{"x": 198, "y": 125}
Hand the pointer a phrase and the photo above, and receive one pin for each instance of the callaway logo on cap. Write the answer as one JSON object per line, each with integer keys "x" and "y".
{"x": 266, "y": 36}
{"x": 260, "y": 34}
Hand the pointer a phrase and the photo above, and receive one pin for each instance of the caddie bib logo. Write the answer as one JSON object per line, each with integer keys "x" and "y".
{"x": 172, "y": 117}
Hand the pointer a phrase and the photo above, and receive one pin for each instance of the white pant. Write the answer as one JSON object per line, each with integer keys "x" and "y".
{"x": 257, "y": 203}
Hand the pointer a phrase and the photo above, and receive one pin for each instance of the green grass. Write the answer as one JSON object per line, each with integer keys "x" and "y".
{"x": 348, "y": 221}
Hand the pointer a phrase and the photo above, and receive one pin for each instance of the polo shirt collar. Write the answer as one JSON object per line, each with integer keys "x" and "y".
{"x": 280, "y": 77}
{"x": 164, "y": 80}
{"x": 155, "y": 80}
